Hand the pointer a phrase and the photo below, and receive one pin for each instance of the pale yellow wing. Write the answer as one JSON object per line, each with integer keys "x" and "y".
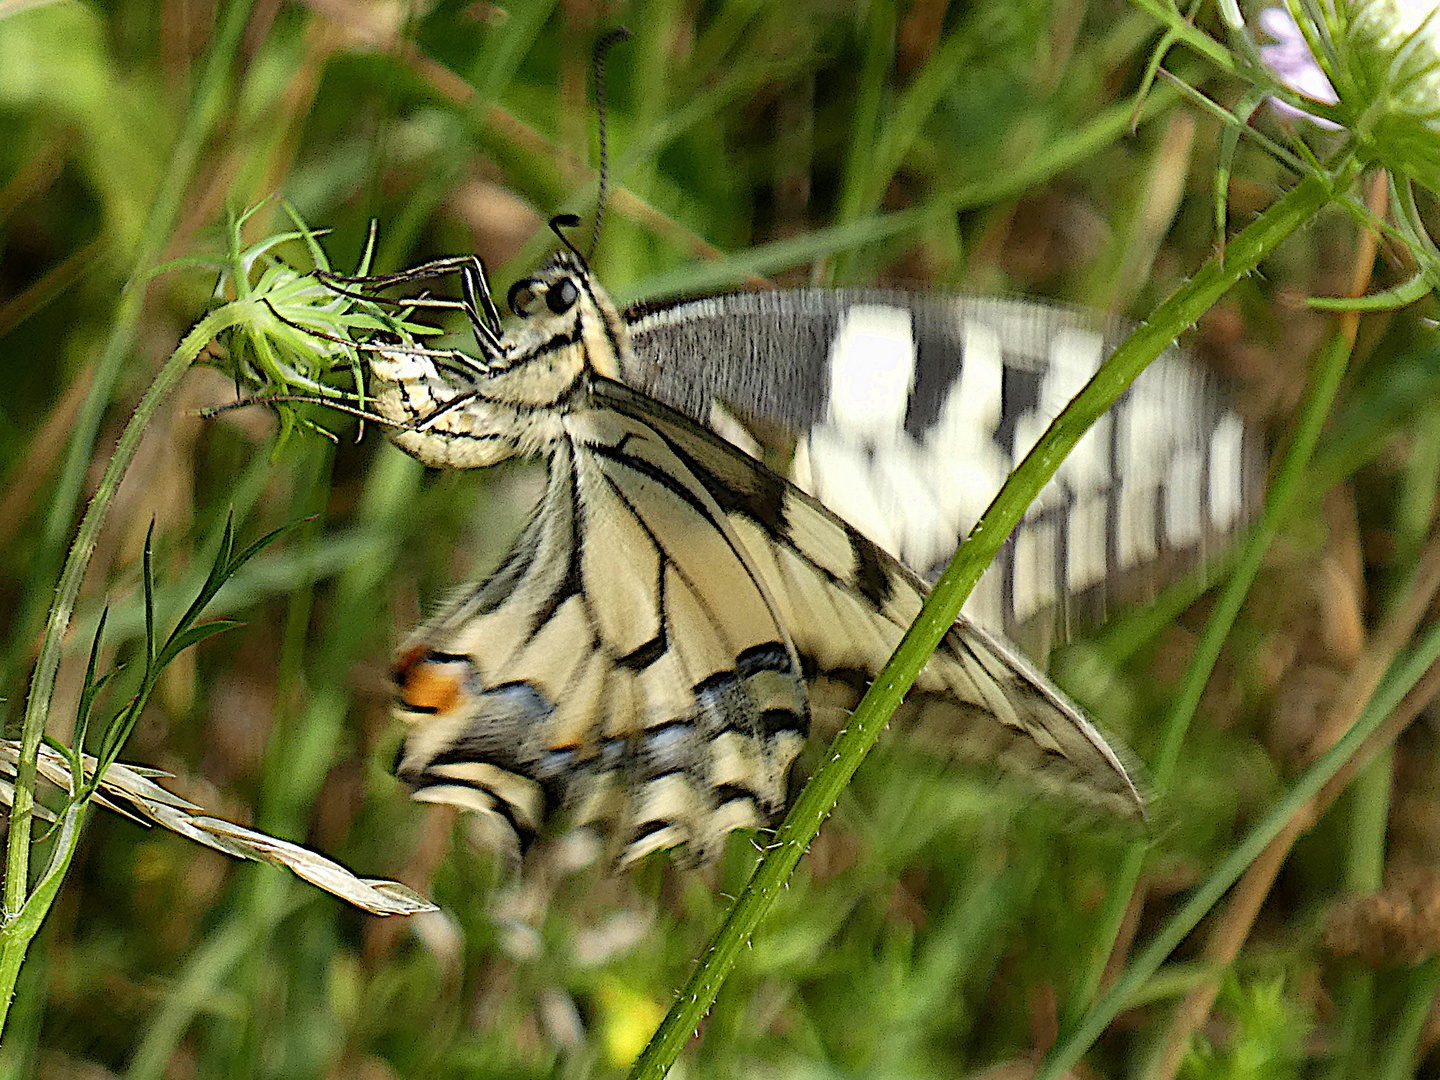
{"x": 623, "y": 664}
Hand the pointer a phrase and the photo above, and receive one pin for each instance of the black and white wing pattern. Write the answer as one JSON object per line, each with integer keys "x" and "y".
{"x": 911, "y": 410}
{"x": 644, "y": 656}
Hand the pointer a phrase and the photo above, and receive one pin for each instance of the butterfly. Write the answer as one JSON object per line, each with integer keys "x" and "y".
{"x": 648, "y": 656}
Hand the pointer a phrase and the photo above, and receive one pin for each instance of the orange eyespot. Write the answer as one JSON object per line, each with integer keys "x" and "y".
{"x": 426, "y": 684}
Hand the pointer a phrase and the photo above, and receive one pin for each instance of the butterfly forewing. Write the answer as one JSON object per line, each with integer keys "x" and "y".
{"x": 643, "y": 657}
{"x": 911, "y": 410}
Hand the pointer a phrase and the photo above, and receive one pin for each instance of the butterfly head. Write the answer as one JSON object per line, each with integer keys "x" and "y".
{"x": 562, "y": 306}
{"x": 456, "y": 410}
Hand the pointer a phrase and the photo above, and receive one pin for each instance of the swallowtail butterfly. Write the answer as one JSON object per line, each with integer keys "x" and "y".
{"x": 644, "y": 657}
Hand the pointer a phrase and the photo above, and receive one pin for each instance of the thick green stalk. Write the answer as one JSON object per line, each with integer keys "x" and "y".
{"x": 21, "y": 921}
{"x": 942, "y": 607}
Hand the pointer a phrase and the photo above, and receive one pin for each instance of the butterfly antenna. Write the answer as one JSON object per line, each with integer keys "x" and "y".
{"x": 607, "y": 41}
{"x": 558, "y": 224}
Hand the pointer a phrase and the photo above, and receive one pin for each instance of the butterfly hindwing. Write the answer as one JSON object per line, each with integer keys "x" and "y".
{"x": 622, "y": 664}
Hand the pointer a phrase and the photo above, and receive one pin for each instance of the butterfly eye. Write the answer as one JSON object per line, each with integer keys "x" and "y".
{"x": 562, "y": 296}
{"x": 521, "y": 296}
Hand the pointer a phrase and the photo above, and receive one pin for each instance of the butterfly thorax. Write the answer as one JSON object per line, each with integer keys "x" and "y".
{"x": 452, "y": 410}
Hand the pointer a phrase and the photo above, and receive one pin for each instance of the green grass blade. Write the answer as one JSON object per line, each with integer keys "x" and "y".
{"x": 1404, "y": 674}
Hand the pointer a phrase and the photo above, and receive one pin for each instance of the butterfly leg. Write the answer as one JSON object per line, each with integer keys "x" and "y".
{"x": 478, "y": 305}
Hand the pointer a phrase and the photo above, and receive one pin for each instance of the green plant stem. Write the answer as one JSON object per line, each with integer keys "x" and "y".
{"x": 206, "y": 105}
{"x": 27, "y": 922}
{"x": 1182, "y": 29}
{"x": 860, "y": 162}
{"x": 1402, "y": 676}
{"x": 21, "y": 919}
{"x": 1369, "y": 812}
{"x": 942, "y": 607}
{"x": 202, "y": 979}
{"x": 1400, "y": 1052}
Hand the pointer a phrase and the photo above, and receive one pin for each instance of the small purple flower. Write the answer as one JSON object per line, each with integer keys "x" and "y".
{"x": 1290, "y": 59}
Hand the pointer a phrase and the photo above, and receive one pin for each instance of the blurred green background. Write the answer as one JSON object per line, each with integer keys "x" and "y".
{"x": 939, "y": 927}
